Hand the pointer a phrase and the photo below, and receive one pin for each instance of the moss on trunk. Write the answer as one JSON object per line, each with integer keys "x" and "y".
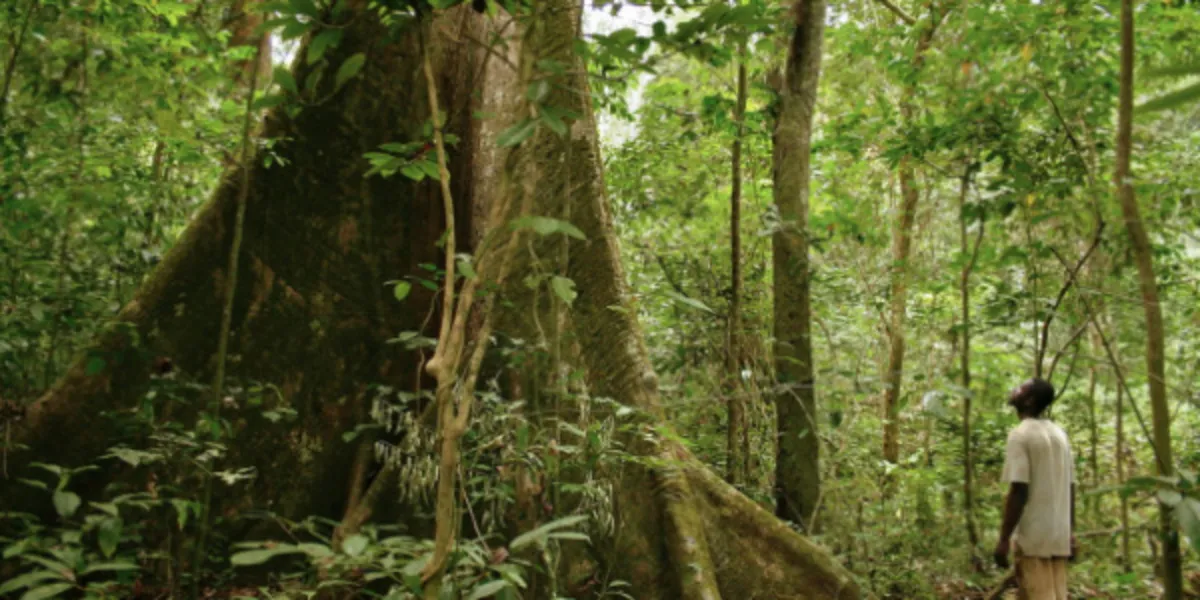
{"x": 681, "y": 531}
{"x": 312, "y": 315}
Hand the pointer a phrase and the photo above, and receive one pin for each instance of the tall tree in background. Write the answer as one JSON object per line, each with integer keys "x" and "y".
{"x": 1172, "y": 560}
{"x": 902, "y": 234}
{"x": 797, "y": 472}
{"x": 738, "y": 434}
{"x": 964, "y": 289}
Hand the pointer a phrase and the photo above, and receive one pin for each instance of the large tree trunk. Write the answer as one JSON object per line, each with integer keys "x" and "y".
{"x": 311, "y": 314}
{"x": 320, "y": 240}
{"x": 1172, "y": 560}
{"x": 682, "y": 532}
{"x": 797, "y": 467}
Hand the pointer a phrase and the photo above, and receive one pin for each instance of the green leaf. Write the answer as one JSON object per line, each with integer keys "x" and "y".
{"x": 63, "y": 571}
{"x": 570, "y": 535}
{"x": 692, "y": 302}
{"x": 349, "y": 69}
{"x": 564, "y": 288}
{"x": 516, "y": 134}
{"x": 110, "y": 566}
{"x": 250, "y": 558}
{"x": 355, "y": 544}
{"x": 304, "y": 7}
{"x": 1169, "y": 497}
{"x": 1188, "y": 513}
{"x": 268, "y": 101}
{"x": 430, "y": 168}
{"x": 538, "y": 90}
{"x": 16, "y": 548}
{"x": 48, "y": 591}
{"x": 488, "y": 589}
{"x": 66, "y": 503}
{"x": 108, "y": 536}
{"x": 401, "y": 290}
{"x": 27, "y": 580}
{"x": 323, "y": 41}
{"x": 554, "y": 123}
{"x": 1174, "y": 71}
{"x": 284, "y": 78}
{"x": 315, "y": 550}
{"x": 94, "y": 366}
{"x": 542, "y": 533}
{"x": 1171, "y": 100}
{"x": 413, "y": 172}
{"x": 181, "y": 511}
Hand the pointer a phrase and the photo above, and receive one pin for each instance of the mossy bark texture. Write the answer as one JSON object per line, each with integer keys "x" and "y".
{"x": 797, "y": 470}
{"x": 312, "y": 314}
{"x": 682, "y": 532}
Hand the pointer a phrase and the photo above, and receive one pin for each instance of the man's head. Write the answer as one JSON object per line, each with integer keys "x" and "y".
{"x": 1032, "y": 397}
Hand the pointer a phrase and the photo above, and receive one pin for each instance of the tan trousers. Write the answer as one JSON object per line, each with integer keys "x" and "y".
{"x": 1040, "y": 578}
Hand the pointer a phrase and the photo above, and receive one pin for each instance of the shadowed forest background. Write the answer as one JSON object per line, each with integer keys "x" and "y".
{"x": 560, "y": 299}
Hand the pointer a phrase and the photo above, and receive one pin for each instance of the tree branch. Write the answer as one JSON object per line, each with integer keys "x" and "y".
{"x": 899, "y": 12}
{"x": 1062, "y": 292}
{"x": 1070, "y": 136}
{"x": 1058, "y": 355}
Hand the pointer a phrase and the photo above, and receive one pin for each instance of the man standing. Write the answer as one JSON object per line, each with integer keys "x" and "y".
{"x": 1039, "y": 511}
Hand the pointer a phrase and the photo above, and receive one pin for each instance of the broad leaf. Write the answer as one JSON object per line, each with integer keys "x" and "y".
{"x": 349, "y": 69}
{"x": 48, "y": 591}
{"x": 66, "y": 503}
{"x": 488, "y": 589}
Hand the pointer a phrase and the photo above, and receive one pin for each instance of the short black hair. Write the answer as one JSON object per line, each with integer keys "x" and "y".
{"x": 1042, "y": 394}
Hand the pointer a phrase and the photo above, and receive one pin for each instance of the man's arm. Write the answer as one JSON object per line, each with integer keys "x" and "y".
{"x": 1014, "y": 506}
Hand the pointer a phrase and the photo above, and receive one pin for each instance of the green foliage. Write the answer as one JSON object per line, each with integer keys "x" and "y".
{"x": 1028, "y": 117}
{"x": 111, "y": 135}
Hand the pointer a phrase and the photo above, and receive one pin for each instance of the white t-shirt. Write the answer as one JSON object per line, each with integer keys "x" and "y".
{"x": 1039, "y": 454}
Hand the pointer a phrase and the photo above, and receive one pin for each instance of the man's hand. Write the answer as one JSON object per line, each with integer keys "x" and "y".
{"x": 1000, "y": 554}
{"x": 1074, "y": 549}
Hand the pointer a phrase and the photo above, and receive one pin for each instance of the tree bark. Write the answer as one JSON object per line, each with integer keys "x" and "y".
{"x": 320, "y": 239}
{"x": 1126, "y": 561}
{"x": 244, "y": 23}
{"x": 797, "y": 466}
{"x": 738, "y": 433}
{"x": 682, "y": 532}
{"x": 964, "y": 287}
{"x": 902, "y": 234}
{"x": 1140, "y": 241}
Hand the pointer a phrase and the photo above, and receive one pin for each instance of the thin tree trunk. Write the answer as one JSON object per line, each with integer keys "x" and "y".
{"x": 1126, "y": 561}
{"x": 10, "y": 67}
{"x": 1140, "y": 241}
{"x": 1093, "y": 459}
{"x": 964, "y": 288}
{"x": 738, "y": 433}
{"x": 902, "y": 234}
{"x": 797, "y": 467}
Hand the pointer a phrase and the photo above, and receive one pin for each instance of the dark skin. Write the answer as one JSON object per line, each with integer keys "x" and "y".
{"x": 1018, "y": 493}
